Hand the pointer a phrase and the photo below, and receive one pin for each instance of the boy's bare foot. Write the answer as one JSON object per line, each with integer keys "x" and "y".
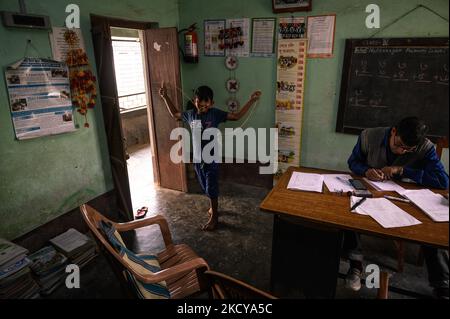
{"x": 210, "y": 225}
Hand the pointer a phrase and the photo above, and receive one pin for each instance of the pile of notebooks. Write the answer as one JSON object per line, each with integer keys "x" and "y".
{"x": 48, "y": 266}
{"x": 16, "y": 280}
{"x": 77, "y": 247}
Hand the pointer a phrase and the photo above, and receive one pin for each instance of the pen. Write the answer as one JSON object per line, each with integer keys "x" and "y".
{"x": 358, "y": 203}
{"x": 397, "y": 198}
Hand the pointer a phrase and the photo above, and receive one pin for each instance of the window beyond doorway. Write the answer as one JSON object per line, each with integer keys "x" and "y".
{"x": 129, "y": 69}
{"x": 128, "y": 53}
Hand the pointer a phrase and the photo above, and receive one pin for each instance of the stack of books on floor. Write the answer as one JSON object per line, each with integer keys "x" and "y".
{"x": 16, "y": 280}
{"x": 77, "y": 247}
{"x": 48, "y": 266}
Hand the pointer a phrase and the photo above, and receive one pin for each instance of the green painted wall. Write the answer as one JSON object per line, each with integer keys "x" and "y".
{"x": 43, "y": 178}
{"x": 321, "y": 146}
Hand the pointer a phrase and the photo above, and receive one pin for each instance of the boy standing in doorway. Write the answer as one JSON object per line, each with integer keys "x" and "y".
{"x": 208, "y": 117}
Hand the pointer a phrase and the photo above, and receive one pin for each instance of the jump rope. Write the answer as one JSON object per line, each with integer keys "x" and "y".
{"x": 187, "y": 98}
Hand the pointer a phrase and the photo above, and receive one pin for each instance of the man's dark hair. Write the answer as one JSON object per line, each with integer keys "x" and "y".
{"x": 411, "y": 130}
{"x": 204, "y": 93}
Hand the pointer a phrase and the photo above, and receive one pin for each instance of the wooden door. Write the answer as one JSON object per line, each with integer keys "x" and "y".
{"x": 101, "y": 36}
{"x": 164, "y": 65}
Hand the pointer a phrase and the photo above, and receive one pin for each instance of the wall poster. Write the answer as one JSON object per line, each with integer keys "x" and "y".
{"x": 292, "y": 28}
{"x": 237, "y": 37}
{"x": 214, "y": 43}
{"x": 60, "y": 47}
{"x": 291, "y": 69}
{"x": 321, "y": 36}
{"x": 40, "y": 100}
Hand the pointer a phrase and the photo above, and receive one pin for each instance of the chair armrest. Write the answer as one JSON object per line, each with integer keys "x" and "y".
{"x": 159, "y": 220}
{"x": 169, "y": 273}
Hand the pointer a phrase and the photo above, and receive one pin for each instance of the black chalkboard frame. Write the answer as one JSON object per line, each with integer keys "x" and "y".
{"x": 350, "y": 44}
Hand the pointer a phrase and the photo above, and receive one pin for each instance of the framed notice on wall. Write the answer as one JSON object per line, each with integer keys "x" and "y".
{"x": 321, "y": 31}
{"x": 263, "y": 37}
{"x": 291, "y": 5}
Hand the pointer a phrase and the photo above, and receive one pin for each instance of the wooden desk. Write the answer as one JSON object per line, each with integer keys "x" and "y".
{"x": 331, "y": 211}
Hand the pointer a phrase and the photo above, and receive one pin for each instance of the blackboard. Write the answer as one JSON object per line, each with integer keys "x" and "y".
{"x": 384, "y": 80}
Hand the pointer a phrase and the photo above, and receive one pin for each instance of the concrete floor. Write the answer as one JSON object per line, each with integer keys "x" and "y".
{"x": 140, "y": 175}
{"x": 240, "y": 247}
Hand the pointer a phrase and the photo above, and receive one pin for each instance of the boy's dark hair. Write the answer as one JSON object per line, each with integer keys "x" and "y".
{"x": 204, "y": 93}
{"x": 411, "y": 130}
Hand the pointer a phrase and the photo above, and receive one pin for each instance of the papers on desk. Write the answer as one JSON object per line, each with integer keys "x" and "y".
{"x": 338, "y": 183}
{"x": 387, "y": 186}
{"x": 306, "y": 182}
{"x": 358, "y": 210}
{"x": 384, "y": 212}
{"x": 432, "y": 204}
{"x": 313, "y": 182}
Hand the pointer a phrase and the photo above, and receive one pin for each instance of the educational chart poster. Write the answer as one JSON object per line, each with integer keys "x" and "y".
{"x": 39, "y": 95}
{"x": 321, "y": 36}
{"x": 214, "y": 43}
{"x": 59, "y": 45}
{"x": 291, "y": 65}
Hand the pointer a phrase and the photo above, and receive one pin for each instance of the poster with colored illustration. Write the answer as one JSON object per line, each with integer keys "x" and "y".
{"x": 214, "y": 42}
{"x": 40, "y": 98}
{"x": 291, "y": 67}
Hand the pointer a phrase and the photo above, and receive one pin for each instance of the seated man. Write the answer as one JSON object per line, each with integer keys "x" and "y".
{"x": 401, "y": 151}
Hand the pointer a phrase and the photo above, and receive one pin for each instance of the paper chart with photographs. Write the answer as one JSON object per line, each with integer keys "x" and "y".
{"x": 239, "y": 34}
{"x": 291, "y": 67}
{"x": 214, "y": 42}
{"x": 39, "y": 94}
{"x": 292, "y": 28}
{"x": 59, "y": 45}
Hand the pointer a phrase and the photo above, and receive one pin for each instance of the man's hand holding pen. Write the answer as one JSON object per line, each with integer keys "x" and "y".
{"x": 386, "y": 173}
{"x": 375, "y": 174}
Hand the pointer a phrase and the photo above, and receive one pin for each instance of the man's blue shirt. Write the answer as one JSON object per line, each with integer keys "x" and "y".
{"x": 432, "y": 174}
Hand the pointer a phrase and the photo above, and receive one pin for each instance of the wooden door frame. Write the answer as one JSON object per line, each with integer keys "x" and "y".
{"x": 142, "y": 26}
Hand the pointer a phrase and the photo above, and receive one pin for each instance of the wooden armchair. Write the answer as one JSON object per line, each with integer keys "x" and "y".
{"x": 226, "y": 287}
{"x": 179, "y": 270}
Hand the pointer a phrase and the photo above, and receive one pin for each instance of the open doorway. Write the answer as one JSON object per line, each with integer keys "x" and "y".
{"x": 129, "y": 67}
{"x": 159, "y": 56}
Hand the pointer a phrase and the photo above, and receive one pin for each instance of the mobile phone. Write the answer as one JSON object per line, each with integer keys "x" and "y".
{"x": 357, "y": 184}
